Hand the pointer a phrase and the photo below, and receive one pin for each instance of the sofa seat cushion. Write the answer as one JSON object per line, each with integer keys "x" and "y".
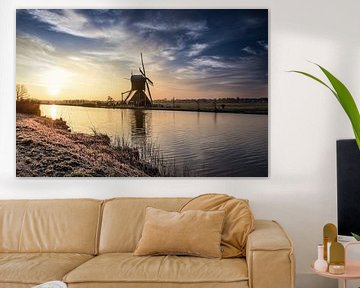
{"x": 36, "y": 268}
{"x": 127, "y": 268}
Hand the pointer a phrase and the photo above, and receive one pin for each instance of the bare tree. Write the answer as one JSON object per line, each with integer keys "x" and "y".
{"x": 21, "y": 92}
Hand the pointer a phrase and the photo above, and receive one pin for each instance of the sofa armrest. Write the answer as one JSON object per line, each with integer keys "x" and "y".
{"x": 269, "y": 256}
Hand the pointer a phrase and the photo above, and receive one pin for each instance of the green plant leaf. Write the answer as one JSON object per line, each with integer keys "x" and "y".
{"x": 344, "y": 97}
{"x": 346, "y": 100}
{"x": 316, "y": 79}
{"x": 356, "y": 236}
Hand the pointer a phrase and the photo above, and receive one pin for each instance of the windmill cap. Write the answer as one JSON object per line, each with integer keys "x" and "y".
{"x": 137, "y": 77}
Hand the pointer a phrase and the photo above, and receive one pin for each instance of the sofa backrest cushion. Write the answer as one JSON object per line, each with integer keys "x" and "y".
{"x": 66, "y": 226}
{"x": 123, "y": 220}
{"x": 239, "y": 220}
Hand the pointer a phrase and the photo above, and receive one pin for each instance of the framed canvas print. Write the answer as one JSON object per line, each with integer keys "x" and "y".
{"x": 142, "y": 93}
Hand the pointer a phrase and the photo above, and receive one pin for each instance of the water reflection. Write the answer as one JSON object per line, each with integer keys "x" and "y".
{"x": 215, "y": 118}
{"x": 138, "y": 123}
{"x": 53, "y": 112}
{"x": 140, "y": 127}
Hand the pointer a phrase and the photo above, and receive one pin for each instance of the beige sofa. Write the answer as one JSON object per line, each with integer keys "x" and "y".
{"x": 89, "y": 243}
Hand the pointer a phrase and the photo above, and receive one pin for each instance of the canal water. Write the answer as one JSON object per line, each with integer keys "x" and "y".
{"x": 191, "y": 143}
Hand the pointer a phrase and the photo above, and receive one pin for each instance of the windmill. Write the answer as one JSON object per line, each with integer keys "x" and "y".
{"x": 139, "y": 83}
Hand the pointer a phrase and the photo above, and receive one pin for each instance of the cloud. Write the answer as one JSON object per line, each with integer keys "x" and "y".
{"x": 31, "y": 51}
{"x": 161, "y": 41}
{"x": 33, "y": 43}
{"x": 185, "y": 25}
{"x": 119, "y": 53}
{"x": 171, "y": 39}
{"x": 249, "y": 50}
{"x": 168, "y": 54}
{"x": 263, "y": 44}
{"x": 153, "y": 35}
{"x": 233, "y": 74}
{"x": 211, "y": 61}
{"x": 253, "y": 22}
{"x": 108, "y": 54}
{"x": 171, "y": 51}
{"x": 74, "y": 23}
{"x": 196, "y": 49}
{"x": 68, "y": 22}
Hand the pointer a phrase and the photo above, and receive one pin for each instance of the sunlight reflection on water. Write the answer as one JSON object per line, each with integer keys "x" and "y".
{"x": 53, "y": 112}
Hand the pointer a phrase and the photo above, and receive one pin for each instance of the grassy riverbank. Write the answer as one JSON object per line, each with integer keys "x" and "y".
{"x": 47, "y": 148}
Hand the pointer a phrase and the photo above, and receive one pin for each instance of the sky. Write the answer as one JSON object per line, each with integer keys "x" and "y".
{"x": 188, "y": 54}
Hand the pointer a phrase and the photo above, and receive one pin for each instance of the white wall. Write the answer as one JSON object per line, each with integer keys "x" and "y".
{"x": 305, "y": 120}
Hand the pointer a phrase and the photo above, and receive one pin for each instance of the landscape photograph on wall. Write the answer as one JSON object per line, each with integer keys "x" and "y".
{"x": 141, "y": 93}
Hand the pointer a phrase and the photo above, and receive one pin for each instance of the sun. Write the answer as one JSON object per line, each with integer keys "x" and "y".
{"x": 53, "y": 90}
{"x": 55, "y": 81}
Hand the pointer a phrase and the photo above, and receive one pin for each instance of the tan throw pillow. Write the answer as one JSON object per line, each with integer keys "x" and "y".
{"x": 196, "y": 233}
{"x": 239, "y": 220}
